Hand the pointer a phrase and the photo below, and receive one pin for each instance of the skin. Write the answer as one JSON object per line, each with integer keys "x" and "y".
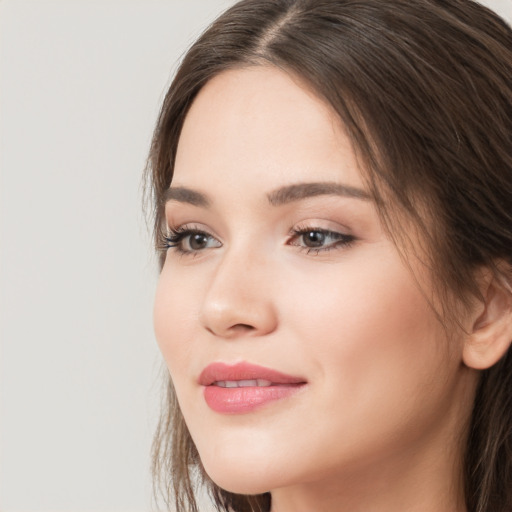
{"x": 380, "y": 423}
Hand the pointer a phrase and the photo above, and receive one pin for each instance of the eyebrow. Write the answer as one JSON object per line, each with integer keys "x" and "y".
{"x": 300, "y": 191}
{"x": 186, "y": 195}
{"x": 281, "y": 196}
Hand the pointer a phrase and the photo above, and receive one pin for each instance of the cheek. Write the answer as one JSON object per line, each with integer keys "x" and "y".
{"x": 374, "y": 342}
{"x": 360, "y": 305}
{"x": 174, "y": 317}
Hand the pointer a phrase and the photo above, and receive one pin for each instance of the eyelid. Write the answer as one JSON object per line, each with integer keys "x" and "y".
{"x": 191, "y": 226}
{"x": 334, "y": 236}
{"x": 322, "y": 225}
{"x": 176, "y": 235}
{"x": 342, "y": 237}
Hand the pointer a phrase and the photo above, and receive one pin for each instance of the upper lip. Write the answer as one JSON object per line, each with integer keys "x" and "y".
{"x": 217, "y": 372}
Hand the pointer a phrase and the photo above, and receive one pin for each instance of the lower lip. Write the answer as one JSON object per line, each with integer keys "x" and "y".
{"x": 242, "y": 400}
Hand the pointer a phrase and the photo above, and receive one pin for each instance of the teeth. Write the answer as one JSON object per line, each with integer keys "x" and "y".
{"x": 242, "y": 383}
{"x": 246, "y": 383}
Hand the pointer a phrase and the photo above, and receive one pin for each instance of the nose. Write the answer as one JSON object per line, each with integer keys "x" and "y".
{"x": 238, "y": 300}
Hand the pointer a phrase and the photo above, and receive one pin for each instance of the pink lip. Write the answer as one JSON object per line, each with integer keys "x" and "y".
{"x": 245, "y": 399}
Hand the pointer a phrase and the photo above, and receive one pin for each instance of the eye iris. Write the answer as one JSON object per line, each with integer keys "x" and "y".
{"x": 314, "y": 239}
{"x": 198, "y": 241}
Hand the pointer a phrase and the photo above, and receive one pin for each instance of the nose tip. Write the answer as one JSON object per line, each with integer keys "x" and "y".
{"x": 238, "y": 318}
{"x": 238, "y": 304}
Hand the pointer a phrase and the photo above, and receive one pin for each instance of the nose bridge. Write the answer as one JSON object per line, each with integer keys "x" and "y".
{"x": 238, "y": 299}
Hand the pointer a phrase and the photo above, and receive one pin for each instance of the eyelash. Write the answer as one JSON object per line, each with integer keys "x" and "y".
{"x": 175, "y": 237}
{"x": 340, "y": 239}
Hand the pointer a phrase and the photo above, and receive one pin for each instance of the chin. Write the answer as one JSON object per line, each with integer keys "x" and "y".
{"x": 240, "y": 477}
{"x": 237, "y": 483}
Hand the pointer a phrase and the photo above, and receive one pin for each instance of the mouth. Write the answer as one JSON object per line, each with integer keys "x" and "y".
{"x": 244, "y": 387}
{"x": 261, "y": 383}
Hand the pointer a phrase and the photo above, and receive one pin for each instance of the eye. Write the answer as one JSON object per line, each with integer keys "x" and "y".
{"x": 314, "y": 238}
{"x": 318, "y": 239}
{"x": 189, "y": 240}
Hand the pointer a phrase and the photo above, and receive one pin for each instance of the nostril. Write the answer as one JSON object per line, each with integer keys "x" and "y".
{"x": 234, "y": 330}
{"x": 230, "y": 316}
{"x": 242, "y": 327}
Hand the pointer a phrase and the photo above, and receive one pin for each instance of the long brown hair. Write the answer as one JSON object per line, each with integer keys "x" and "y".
{"x": 424, "y": 89}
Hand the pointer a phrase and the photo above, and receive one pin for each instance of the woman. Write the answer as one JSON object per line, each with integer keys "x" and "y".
{"x": 333, "y": 191}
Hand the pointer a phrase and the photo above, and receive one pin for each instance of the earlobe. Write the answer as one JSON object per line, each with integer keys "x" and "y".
{"x": 491, "y": 334}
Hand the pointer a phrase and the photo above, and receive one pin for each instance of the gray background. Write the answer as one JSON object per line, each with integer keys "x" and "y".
{"x": 80, "y": 86}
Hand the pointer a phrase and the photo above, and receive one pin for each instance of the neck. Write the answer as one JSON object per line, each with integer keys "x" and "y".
{"x": 428, "y": 487}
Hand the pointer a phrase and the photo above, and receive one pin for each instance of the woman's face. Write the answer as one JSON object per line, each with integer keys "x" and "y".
{"x": 299, "y": 343}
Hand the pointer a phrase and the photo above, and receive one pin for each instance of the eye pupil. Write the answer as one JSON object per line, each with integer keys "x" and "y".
{"x": 198, "y": 241}
{"x": 314, "y": 239}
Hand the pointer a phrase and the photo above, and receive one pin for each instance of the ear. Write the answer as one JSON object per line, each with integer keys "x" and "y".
{"x": 491, "y": 333}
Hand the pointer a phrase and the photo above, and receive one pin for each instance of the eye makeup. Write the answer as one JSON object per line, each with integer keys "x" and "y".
{"x": 189, "y": 239}
{"x": 314, "y": 240}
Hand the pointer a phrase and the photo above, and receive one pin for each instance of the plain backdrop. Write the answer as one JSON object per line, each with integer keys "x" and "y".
{"x": 81, "y": 82}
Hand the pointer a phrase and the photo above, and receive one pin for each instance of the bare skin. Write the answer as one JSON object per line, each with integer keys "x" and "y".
{"x": 307, "y": 284}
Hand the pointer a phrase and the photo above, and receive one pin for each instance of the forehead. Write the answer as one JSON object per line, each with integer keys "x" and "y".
{"x": 262, "y": 124}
